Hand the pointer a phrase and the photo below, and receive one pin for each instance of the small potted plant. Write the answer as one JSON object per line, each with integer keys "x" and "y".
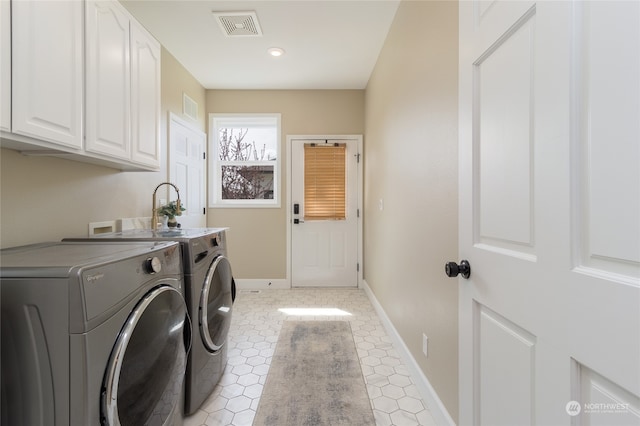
{"x": 171, "y": 211}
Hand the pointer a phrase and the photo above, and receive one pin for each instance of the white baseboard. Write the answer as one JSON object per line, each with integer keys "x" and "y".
{"x": 436, "y": 407}
{"x": 261, "y": 284}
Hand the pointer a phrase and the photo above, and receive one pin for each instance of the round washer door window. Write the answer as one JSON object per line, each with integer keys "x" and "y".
{"x": 216, "y": 304}
{"x": 144, "y": 376}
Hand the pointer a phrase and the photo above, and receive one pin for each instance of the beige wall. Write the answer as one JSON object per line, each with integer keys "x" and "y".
{"x": 411, "y": 164}
{"x": 408, "y": 115}
{"x": 46, "y": 199}
{"x": 257, "y": 239}
{"x": 176, "y": 80}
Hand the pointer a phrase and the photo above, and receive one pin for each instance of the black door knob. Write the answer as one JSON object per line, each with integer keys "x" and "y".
{"x": 453, "y": 269}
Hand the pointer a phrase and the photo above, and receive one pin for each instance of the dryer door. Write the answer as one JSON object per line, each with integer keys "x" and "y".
{"x": 143, "y": 380}
{"x": 215, "y": 304}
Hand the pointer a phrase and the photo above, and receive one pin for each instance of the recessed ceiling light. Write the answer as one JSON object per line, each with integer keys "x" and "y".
{"x": 275, "y": 51}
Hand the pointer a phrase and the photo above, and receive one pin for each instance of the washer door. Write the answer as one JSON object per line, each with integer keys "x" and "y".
{"x": 143, "y": 380}
{"x": 215, "y": 304}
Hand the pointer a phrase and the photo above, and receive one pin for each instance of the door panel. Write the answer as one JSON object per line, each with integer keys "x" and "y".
{"x": 549, "y": 207}
{"x": 507, "y": 354}
{"x": 607, "y": 111}
{"x": 504, "y": 115}
{"x": 325, "y": 252}
{"x": 608, "y": 404}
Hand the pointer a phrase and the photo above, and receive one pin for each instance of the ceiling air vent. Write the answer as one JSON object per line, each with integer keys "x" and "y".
{"x": 239, "y": 24}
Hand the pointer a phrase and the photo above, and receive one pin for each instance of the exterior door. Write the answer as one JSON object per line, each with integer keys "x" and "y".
{"x": 549, "y": 213}
{"x": 187, "y": 169}
{"x": 325, "y": 212}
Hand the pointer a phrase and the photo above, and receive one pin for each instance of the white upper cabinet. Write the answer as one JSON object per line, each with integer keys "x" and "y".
{"x": 108, "y": 80}
{"x": 123, "y": 86}
{"x": 47, "y": 71}
{"x": 145, "y": 97}
{"x": 81, "y": 80}
{"x": 5, "y": 66}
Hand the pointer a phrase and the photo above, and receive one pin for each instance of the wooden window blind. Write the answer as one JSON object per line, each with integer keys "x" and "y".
{"x": 324, "y": 182}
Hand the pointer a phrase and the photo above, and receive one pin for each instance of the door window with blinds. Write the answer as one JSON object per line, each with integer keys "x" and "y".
{"x": 325, "y": 181}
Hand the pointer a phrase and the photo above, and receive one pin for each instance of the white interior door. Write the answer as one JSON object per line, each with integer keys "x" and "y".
{"x": 324, "y": 252}
{"x": 187, "y": 170}
{"x": 549, "y": 212}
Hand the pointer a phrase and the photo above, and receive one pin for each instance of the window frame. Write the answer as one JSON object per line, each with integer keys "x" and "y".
{"x": 217, "y": 121}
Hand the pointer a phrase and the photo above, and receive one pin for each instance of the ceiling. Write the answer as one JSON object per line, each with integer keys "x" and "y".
{"x": 328, "y": 44}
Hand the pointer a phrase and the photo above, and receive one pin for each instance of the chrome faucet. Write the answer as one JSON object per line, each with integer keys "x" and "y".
{"x": 154, "y": 214}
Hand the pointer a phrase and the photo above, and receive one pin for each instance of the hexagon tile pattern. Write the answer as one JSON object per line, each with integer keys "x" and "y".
{"x": 255, "y": 326}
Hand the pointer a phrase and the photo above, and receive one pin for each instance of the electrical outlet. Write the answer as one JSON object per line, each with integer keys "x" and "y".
{"x": 425, "y": 345}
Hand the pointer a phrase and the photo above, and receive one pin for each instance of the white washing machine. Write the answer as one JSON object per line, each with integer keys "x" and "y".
{"x": 209, "y": 292}
{"x": 93, "y": 334}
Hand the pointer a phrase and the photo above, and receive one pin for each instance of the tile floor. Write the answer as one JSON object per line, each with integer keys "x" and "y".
{"x": 256, "y": 322}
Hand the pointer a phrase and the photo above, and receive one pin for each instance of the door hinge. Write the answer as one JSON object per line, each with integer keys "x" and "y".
{"x": 358, "y": 157}
{"x": 204, "y": 210}
{"x": 358, "y": 213}
{"x": 358, "y": 267}
{"x": 204, "y": 155}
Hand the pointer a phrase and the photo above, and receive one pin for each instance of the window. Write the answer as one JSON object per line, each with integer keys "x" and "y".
{"x": 245, "y": 160}
{"x": 324, "y": 181}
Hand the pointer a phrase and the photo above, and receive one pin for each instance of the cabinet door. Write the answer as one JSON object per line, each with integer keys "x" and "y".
{"x": 47, "y": 70}
{"x": 145, "y": 97}
{"x": 5, "y": 66}
{"x": 108, "y": 109}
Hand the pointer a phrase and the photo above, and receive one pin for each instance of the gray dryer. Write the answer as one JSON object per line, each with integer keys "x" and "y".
{"x": 93, "y": 334}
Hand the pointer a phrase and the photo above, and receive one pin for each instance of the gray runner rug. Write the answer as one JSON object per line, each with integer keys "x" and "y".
{"x": 315, "y": 378}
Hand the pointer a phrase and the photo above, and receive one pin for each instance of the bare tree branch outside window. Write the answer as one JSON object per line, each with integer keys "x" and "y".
{"x": 244, "y": 182}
